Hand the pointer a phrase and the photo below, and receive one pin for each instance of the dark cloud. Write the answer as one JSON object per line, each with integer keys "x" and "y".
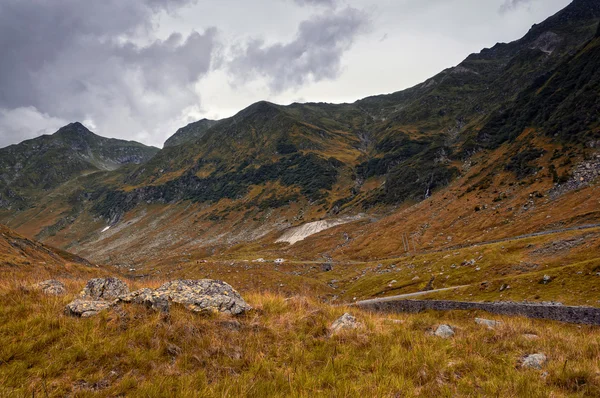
{"x": 77, "y": 60}
{"x": 509, "y": 5}
{"x": 314, "y": 55}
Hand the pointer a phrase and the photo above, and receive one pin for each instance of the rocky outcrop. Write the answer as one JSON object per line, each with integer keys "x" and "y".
{"x": 87, "y": 308}
{"x": 51, "y": 287}
{"x": 487, "y": 322}
{"x": 104, "y": 289}
{"x": 203, "y": 296}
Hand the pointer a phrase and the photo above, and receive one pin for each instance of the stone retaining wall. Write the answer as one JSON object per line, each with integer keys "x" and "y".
{"x": 582, "y": 315}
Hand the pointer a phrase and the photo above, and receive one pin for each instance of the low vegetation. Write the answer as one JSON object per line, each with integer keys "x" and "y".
{"x": 281, "y": 348}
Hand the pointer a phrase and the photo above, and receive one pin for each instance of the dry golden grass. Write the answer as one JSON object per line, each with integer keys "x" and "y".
{"x": 280, "y": 349}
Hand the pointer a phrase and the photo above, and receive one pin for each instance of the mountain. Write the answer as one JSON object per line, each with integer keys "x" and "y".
{"x": 474, "y": 137}
{"x": 47, "y": 161}
{"x": 190, "y": 133}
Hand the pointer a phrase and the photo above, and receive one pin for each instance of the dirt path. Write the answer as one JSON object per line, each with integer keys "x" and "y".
{"x": 408, "y": 295}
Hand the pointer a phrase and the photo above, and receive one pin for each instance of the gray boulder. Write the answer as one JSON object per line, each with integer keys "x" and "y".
{"x": 104, "y": 289}
{"x": 87, "y": 308}
{"x": 204, "y": 295}
{"x": 487, "y": 322}
{"x": 148, "y": 298}
{"x": 51, "y": 287}
{"x": 444, "y": 331}
{"x": 345, "y": 322}
{"x": 534, "y": 361}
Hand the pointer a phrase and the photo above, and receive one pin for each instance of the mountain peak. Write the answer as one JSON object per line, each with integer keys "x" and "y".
{"x": 75, "y": 129}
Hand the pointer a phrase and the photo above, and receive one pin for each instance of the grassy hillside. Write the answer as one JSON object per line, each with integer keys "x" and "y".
{"x": 281, "y": 348}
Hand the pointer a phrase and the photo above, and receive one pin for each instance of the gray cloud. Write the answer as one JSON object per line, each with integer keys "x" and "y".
{"x": 74, "y": 60}
{"x": 509, "y": 5}
{"x": 315, "y": 53}
{"x": 327, "y": 3}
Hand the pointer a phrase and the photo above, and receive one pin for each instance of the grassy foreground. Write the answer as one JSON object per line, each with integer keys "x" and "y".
{"x": 280, "y": 349}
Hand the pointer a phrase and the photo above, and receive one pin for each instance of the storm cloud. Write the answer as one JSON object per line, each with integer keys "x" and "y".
{"x": 93, "y": 61}
{"x": 315, "y": 53}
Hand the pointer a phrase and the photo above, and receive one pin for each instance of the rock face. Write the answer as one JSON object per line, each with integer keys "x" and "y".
{"x": 87, "y": 308}
{"x": 104, "y": 289}
{"x": 534, "y": 361}
{"x": 52, "y": 287}
{"x": 204, "y": 295}
{"x": 345, "y": 322}
{"x": 444, "y": 331}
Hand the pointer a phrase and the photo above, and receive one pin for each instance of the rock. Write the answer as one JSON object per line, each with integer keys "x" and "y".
{"x": 546, "y": 279}
{"x": 52, "y": 286}
{"x": 104, "y": 289}
{"x": 345, "y": 322}
{"x": 487, "y": 322}
{"x": 534, "y": 361}
{"x": 326, "y": 267}
{"x": 530, "y": 336}
{"x": 504, "y": 287}
{"x": 204, "y": 295}
{"x": 148, "y": 298}
{"x": 87, "y": 308}
{"x": 444, "y": 331}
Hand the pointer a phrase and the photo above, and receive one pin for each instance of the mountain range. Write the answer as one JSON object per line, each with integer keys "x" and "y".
{"x": 500, "y": 143}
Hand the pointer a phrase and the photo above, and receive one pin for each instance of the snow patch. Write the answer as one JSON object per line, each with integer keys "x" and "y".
{"x": 302, "y": 232}
{"x": 105, "y": 229}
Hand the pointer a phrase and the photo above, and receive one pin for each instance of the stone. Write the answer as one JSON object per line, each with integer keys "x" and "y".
{"x": 534, "y": 361}
{"x": 148, "y": 298}
{"x": 204, "y": 295}
{"x": 531, "y": 336}
{"x": 345, "y": 322}
{"x": 444, "y": 331}
{"x": 546, "y": 279}
{"x": 51, "y": 287}
{"x": 487, "y": 322}
{"x": 104, "y": 289}
{"x": 87, "y": 308}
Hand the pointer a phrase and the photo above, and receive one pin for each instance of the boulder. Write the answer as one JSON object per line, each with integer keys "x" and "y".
{"x": 52, "y": 286}
{"x": 444, "y": 331}
{"x": 204, "y": 295}
{"x": 534, "y": 361}
{"x": 87, "y": 308}
{"x": 487, "y": 322}
{"x": 104, "y": 289}
{"x": 345, "y": 322}
{"x": 147, "y": 297}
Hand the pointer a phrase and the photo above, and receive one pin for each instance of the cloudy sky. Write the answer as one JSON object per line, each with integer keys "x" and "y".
{"x": 140, "y": 69}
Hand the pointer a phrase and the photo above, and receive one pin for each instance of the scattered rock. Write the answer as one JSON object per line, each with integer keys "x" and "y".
{"x": 531, "y": 336}
{"x": 204, "y": 295}
{"x": 52, "y": 287}
{"x": 504, "y": 287}
{"x": 546, "y": 279}
{"x": 345, "y": 322}
{"x": 444, "y": 331}
{"x": 487, "y": 322}
{"x": 87, "y": 308}
{"x": 104, "y": 289}
{"x": 534, "y": 361}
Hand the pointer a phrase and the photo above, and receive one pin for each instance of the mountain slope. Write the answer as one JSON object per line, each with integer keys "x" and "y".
{"x": 190, "y": 133}
{"x": 459, "y": 142}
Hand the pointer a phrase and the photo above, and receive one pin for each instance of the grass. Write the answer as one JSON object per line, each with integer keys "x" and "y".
{"x": 280, "y": 349}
